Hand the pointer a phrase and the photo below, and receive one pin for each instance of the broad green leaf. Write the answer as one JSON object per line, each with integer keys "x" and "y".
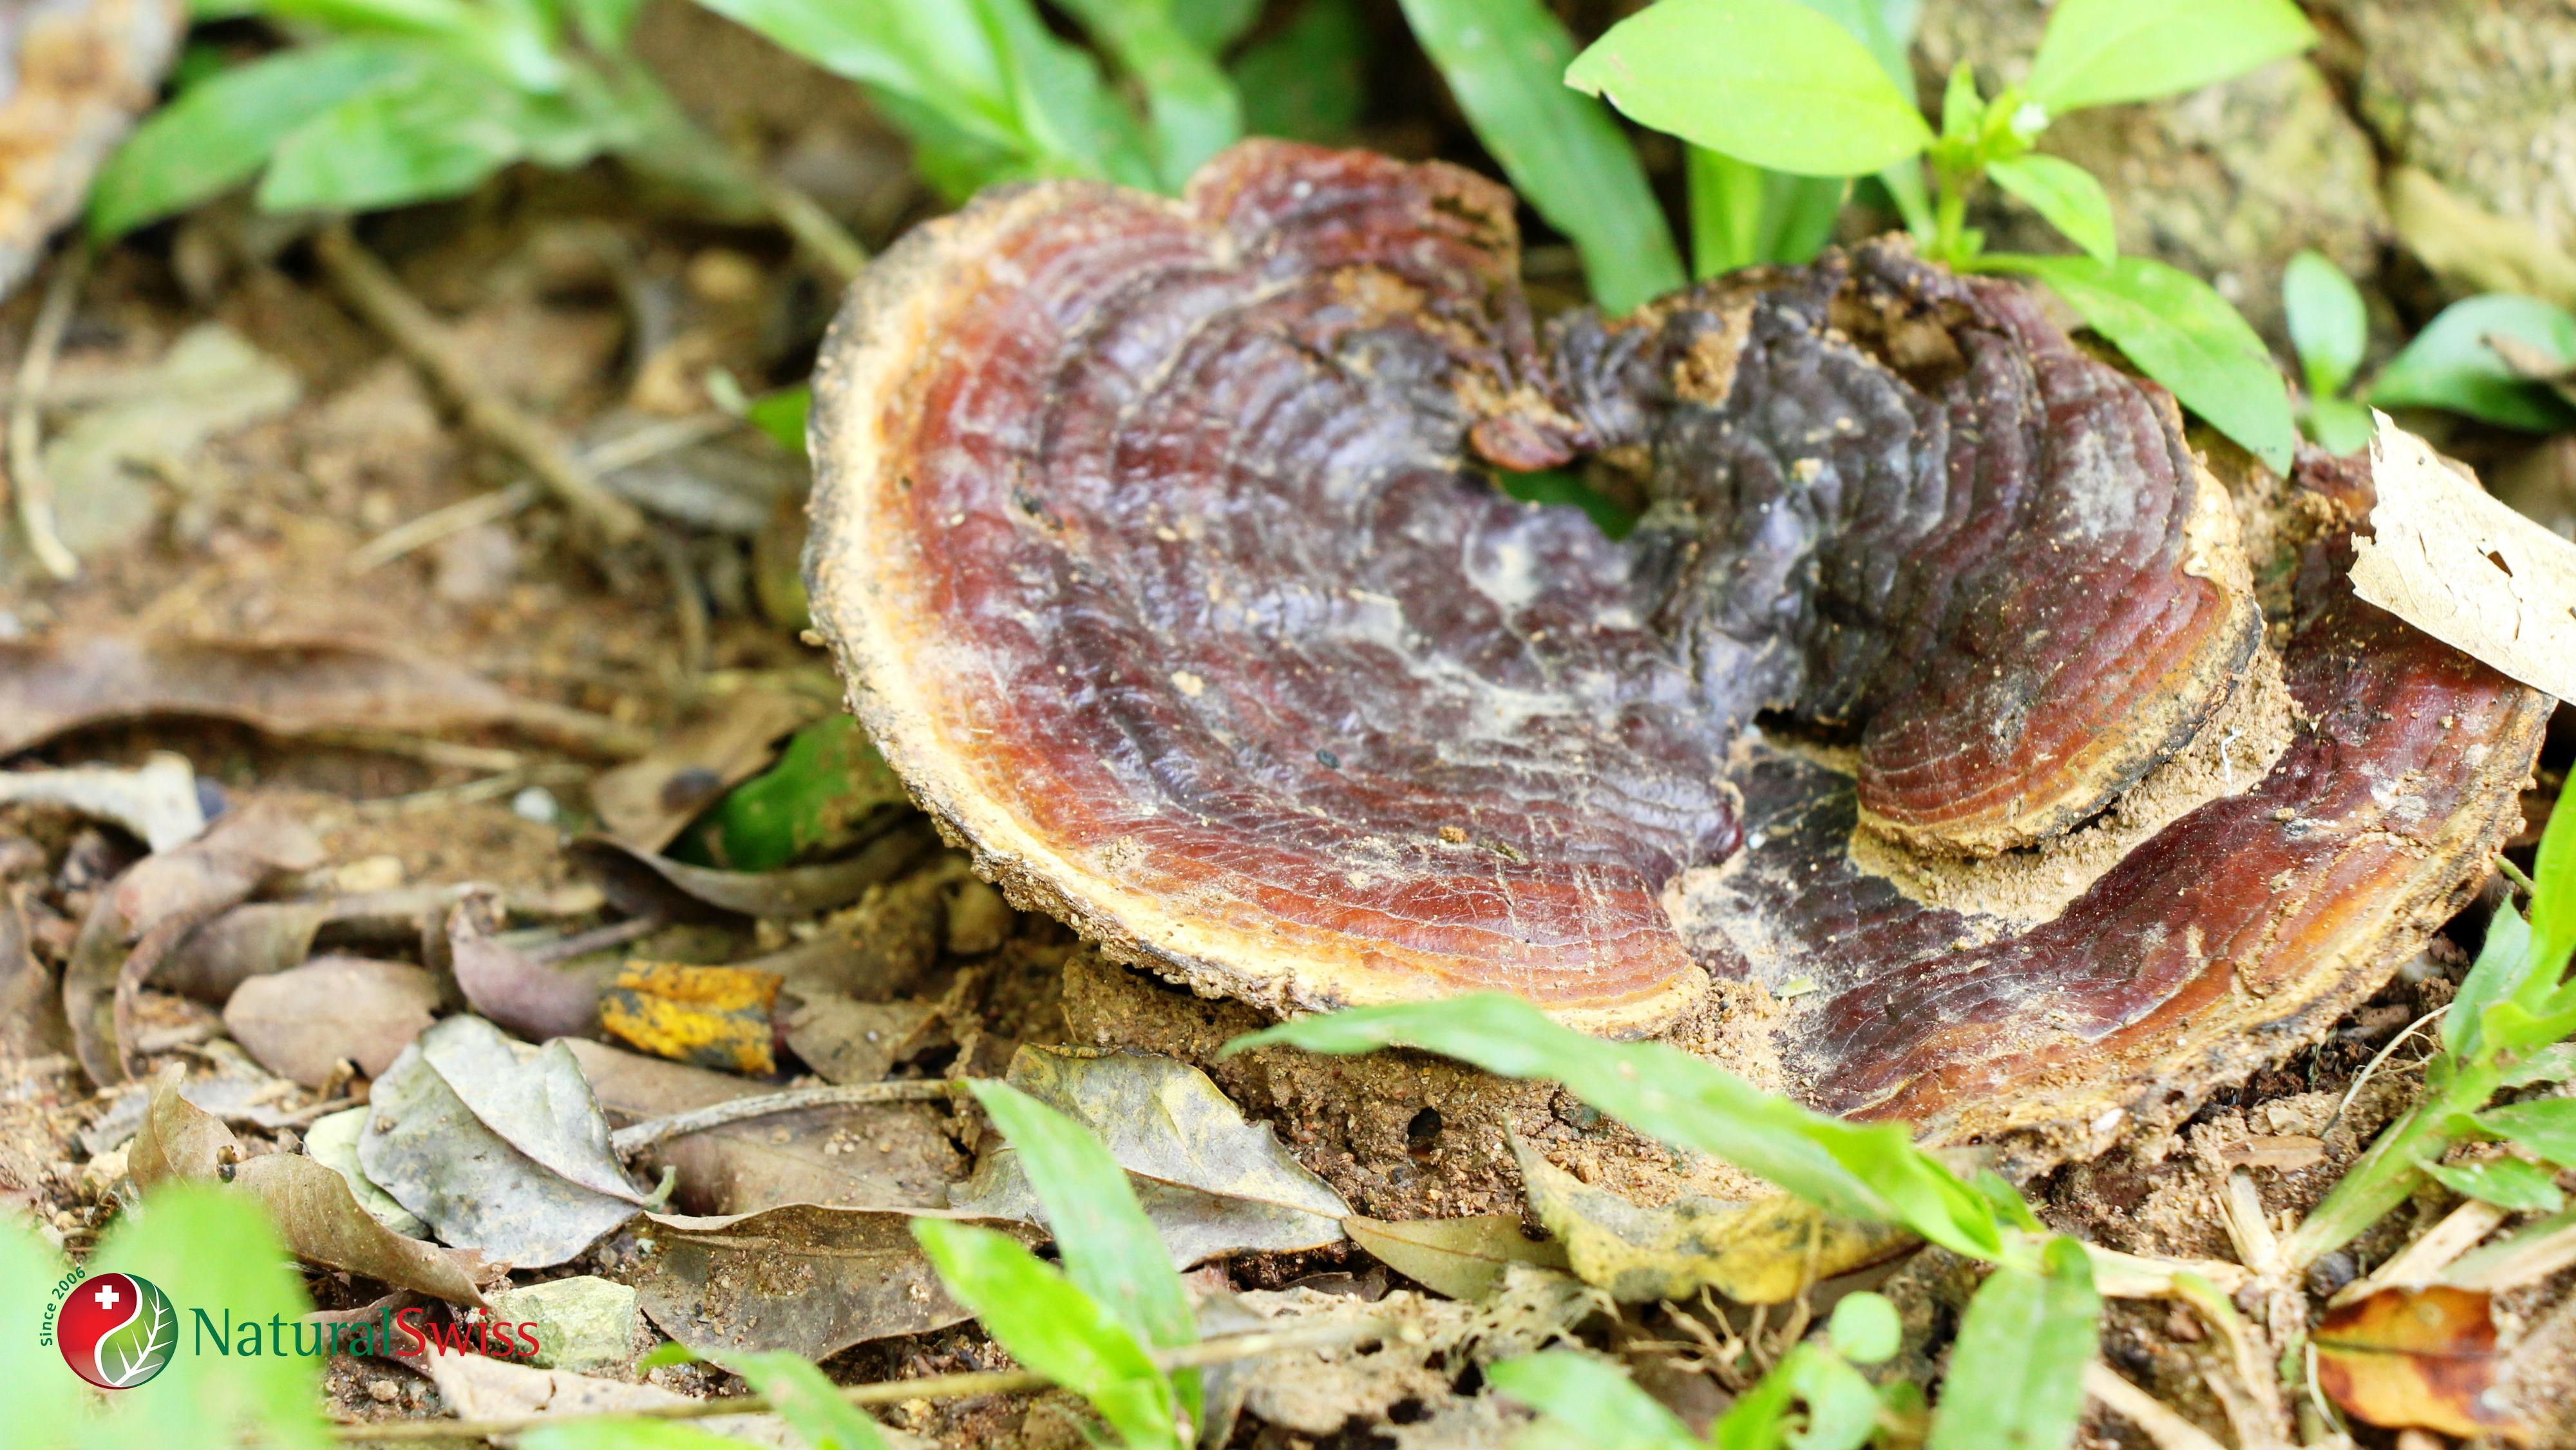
{"x": 1556, "y": 486}
{"x": 824, "y": 792}
{"x": 1505, "y": 61}
{"x": 39, "y": 1401}
{"x": 615, "y": 1434}
{"x": 941, "y": 56}
{"x": 211, "y": 1249}
{"x": 1589, "y": 1401}
{"x": 510, "y": 41}
{"x": 436, "y": 131}
{"x": 2450, "y": 366}
{"x": 1772, "y": 82}
{"x": 2328, "y": 325}
{"x": 2546, "y": 1126}
{"x": 2340, "y": 425}
{"x": 604, "y": 24}
{"x": 2505, "y": 959}
{"x": 1842, "y": 1405}
{"x": 1307, "y": 82}
{"x": 1055, "y": 1329}
{"x": 782, "y": 415}
{"x": 809, "y": 1403}
{"x": 2505, "y": 1182}
{"x": 1077, "y": 127}
{"x": 2101, "y": 52}
{"x": 1963, "y": 111}
{"x": 1108, "y": 1245}
{"x": 2066, "y": 196}
{"x": 2553, "y": 870}
{"x": 1213, "y": 25}
{"x": 217, "y": 134}
{"x": 2182, "y": 334}
{"x": 1865, "y": 1328}
{"x": 1743, "y": 215}
{"x": 1193, "y": 106}
{"x": 1873, "y": 1172}
{"x": 1758, "y": 1420}
{"x": 2549, "y": 1064}
{"x": 2016, "y": 1378}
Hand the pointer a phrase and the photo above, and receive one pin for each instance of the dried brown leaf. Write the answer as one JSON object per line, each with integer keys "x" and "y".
{"x": 2424, "y": 1358}
{"x": 644, "y": 803}
{"x": 849, "y": 1041}
{"x": 536, "y": 1000}
{"x": 1464, "y": 1258}
{"x": 31, "y": 1008}
{"x": 301, "y": 1023}
{"x": 803, "y": 1278}
{"x": 477, "y": 1387}
{"x": 259, "y": 937}
{"x": 643, "y": 884}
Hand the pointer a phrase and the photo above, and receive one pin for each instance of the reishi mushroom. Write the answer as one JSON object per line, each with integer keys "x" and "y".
{"x": 1942, "y": 691}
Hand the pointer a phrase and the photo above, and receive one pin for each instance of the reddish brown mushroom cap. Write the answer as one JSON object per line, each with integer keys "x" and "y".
{"x": 1160, "y": 543}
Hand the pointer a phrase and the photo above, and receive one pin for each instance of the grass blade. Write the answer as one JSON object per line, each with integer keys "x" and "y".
{"x": 1194, "y": 110}
{"x": 2016, "y": 1379}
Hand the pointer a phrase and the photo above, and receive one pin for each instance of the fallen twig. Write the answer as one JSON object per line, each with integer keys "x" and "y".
{"x": 35, "y": 487}
{"x": 629, "y": 1141}
{"x": 1222, "y": 1350}
{"x": 439, "y": 523}
{"x": 2422, "y": 1262}
{"x": 2169, "y": 1431}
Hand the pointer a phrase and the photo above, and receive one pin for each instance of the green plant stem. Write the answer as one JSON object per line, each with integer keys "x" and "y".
{"x": 2382, "y": 1177}
{"x": 1950, "y": 212}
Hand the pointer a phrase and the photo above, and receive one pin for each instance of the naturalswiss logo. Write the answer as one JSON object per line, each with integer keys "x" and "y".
{"x": 116, "y": 1330}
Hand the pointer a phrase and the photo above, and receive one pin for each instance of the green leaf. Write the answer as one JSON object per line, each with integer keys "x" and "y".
{"x": 2340, "y": 425}
{"x": 210, "y": 1248}
{"x": 1307, "y": 82}
{"x": 810, "y": 1404}
{"x": 2328, "y": 325}
{"x": 1842, "y": 1405}
{"x": 1055, "y": 1329}
{"x": 614, "y": 1434}
{"x": 2505, "y": 1182}
{"x": 1591, "y": 1401}
{"x": 2016, "y": 1378}
{"x": 604, "y": 24}
{"x": 1963, "y": 112}
{"x": 1556, "y": 486}
{"x": 782, "y": 415}
{"x": 1192, "y": 103}
{"x": 2066, "y": 196}
{"x": 1771, "y": 82}
{"x": 1212, "y": 25}
{"x": 39, "y": 1402}
{"x": 1873, "y": 1172}
{"x": 436, "y": 131}
{"x": 2184, "y": 335}
{"x": 2450, "y": 366}
{"x": 1108, "y": 1245}
{"x": 2549, "y": 1064}
{"x": 2505, "y": 959}
{"x": 217, "y": 134}
{"x": 2553, "y": 869}
{"x": 824, "y": 793}
{"x": 1743, "y": 215}
{"x": 1865, "y": 1328}
{"x": 1504, "y": 61}
{"x": 2546, "y": 1126}
{"x": 2101, "y": 52}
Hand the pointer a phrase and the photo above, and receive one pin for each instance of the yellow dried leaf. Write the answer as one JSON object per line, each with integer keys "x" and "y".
{"x": 2420, "y": 1358}
{"x": 715, "y": 1017}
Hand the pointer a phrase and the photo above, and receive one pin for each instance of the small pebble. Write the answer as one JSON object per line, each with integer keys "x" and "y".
{"x": 537, "y": 804}
{"x": 383, "y": 1392}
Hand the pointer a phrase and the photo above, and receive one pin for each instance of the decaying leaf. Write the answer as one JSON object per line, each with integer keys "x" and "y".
{"x": 713, "y": 1016}
{"x": 1760, "y": 1252}
{"x": 1212, "y": 1182}
{"x": 239, "y": 1092}
{"x": 31, "y": 1008}
{"x": 1464, "y": 1258}
{"x": 537, "y": 1000}
{"x": 312, "y": 1206}
{"x": 644, "y": 884}
{"x": 157, "y": 902}
{"x": 332, "y": 1141}
{"x": 2466, "y": 569}
{"x": 865, "y": 1155}
{"x": 302, "y": 1023}
{"x": 494, "y": 1153}
{"x": 477, "y": 1387}
{"x": 157, "y": 800}
{"x": 847, "y": 1040}
{"x": 879, "y": 949}
{"x": 281, "y": 686}
{"x": 646, "y": 802}
{"x": 2414, "y": 1357}
{"x": 259, "y": 937}
{"x": 801, "y": 1277}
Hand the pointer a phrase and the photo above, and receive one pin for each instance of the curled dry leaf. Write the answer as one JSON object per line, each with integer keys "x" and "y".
{"x": 31, "y": 1009}
{"x": 873, "y": 1155}
{"x": 644, "y": 803}
{"x": 2424, "y": 1358}
{"x": 312, "y": 1206}
{"x": 1765, "y": 1251}
{"x": 801, "y": 1277}
{"x": 715, "y": 1017}
{"x": 259, "y": 937}
{"x": 155, "y": 904}
{"x": 301, "y": 1023}
{"x": 157, "y": 800}
{"x": 644, "y": 884}
{"x": 537, "y": 1000}
{"x": 1212, "y": 1182}
{"x": 1464, "y": 1258}
{"x": 283, "y": 686}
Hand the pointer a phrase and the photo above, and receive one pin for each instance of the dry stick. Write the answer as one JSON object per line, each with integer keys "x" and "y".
{"x": 1223, "y": 1350}
{"x": 2162, "y": 1426}
{"x": 814, "y": 228}
{"x": 26, "y": 461}
{"x": 437, "y": 524}
{"x": 630, "y": 1141}
{"x": 380, "y": 297}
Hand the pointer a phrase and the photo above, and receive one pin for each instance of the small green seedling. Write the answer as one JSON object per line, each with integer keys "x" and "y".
{"x": 2329, "y": 328}
{"x": 1092, "y": 1326}
{"x": 2027, "y": 1334}
{"x": 2458, "y": 363}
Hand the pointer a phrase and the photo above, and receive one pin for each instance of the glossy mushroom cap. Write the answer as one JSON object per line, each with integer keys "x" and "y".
{"x": 1160, "y": 542}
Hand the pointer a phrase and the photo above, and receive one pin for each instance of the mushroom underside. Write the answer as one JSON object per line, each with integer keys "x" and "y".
{"x": 1936, "y": 691}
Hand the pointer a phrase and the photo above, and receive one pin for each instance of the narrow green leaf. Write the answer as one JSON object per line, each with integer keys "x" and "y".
{"x": 2184, "y": 335}
{"x": 2505, "y": 1182}
{"x": 1192, "y": 103}
{"x": 1063, "y": 104}
{"x": 1505, "y": 61}
{"x": 810, "y": 1404}
{"x": 2340, "y": 425}
{"x": 218, "y": 133}
{"x": 1963, "y": 111}
{"x": 2450, "y": 366}
{"x": 2504, "y": 960}
{"x": 434, "y": 132}
{"x": 941, "y": 56}
{"x": 782, "y": 415}
{"x": 512, "y": 42}
{"x": 1213, "y": 25}
{"x": 2553, "y": 869}
{"x": 1865, "y": 1328}
{"x": 604, "y": 24}
{"x": 1872, "y": 1172}
{"x": 1108, "y": 1245}
{"x": 1307, "y": 82}
{"x": 1758, "y": 1420}
{"x": 1743, "y": 215}
{"x": 2101, "y": 52}
{"x": 2066, "y": 196}
{"x": 2016, "y": 1379}
{"x": 2549, "y": 1064}
{"x": 2546, "y": 1126}
{"x": 2329, "y": 327}
{"x": 1055, "y": 1329}
{"x": 1589, "y": 1401}
{"x": 1772, "y": 82}
{"x": 1556, "y": 486}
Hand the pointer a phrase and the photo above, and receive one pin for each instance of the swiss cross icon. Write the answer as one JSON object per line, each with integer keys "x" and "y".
{"x": 106, "y": 1296}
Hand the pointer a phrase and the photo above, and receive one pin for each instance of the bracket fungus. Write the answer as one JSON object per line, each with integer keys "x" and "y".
{"x": 1943, "y": 694}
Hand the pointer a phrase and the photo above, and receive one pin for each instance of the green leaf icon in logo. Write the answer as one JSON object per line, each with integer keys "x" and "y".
{"x": 117, "y": 1331}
